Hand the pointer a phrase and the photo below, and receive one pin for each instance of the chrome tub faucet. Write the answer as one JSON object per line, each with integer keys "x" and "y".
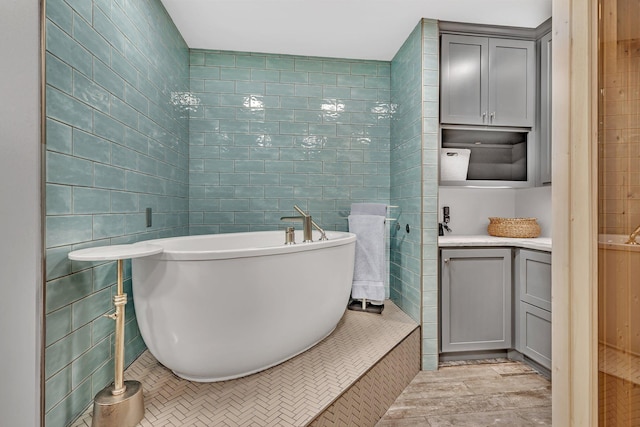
{"x": 307, "y": 224}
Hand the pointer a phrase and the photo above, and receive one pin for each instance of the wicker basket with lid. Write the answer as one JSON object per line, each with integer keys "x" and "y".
{"x": 513, "y": 227}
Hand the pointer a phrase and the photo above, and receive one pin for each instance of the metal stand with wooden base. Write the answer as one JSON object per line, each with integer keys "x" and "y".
{"x": 120, "y": 404}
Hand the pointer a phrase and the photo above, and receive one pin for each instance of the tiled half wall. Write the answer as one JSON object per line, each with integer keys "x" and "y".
{"x": 414, "y": 182}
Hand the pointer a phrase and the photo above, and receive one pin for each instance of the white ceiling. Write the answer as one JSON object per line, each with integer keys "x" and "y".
{"x": 359, "y": 29}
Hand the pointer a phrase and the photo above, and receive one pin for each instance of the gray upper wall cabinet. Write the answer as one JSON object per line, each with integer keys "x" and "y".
{"x": 545, "y": 109}
{"x": 487, "y": 81}
{"x": 464, "y": 84}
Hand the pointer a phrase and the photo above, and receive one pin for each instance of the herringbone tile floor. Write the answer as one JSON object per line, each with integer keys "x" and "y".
{"x": 367, "y": 362}
{"x": 293, "y": 393}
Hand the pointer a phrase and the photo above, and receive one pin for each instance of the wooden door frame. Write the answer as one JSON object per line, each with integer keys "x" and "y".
{"x": 574, "y": 201}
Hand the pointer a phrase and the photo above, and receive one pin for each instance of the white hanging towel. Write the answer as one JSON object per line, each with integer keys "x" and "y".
{"x": 369, "y": 269}
{"x": 369, "y": 209}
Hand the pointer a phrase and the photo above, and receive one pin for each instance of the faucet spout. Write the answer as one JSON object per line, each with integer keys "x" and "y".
{"x": 632, "y": 237}
{"x": 306, "y": 223}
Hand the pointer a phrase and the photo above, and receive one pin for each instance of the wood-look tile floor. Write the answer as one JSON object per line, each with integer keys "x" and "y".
{"x": 487, "y": 393}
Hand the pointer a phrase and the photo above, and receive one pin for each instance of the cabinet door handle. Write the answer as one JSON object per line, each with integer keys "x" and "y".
{"x": 492, "y": 116}
{"x": 446, "y": 260}
{"x": 484, "y": 116}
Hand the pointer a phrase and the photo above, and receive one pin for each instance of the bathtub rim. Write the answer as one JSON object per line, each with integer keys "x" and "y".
{"x": 336, "y": 238}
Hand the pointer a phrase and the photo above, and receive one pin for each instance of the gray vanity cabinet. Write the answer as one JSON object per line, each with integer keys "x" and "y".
{"x": 533, "y": 279}
{"x": 487, "y": 81}
{"x": 476, "y": 299}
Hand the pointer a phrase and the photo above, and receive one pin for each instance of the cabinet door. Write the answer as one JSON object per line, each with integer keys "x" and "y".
{"x": 511, "y": 82}
{"x": 464, "y": 79}
{"x": 534, "y": 278}
{"x": 535, "y": 334}
{"x": 476, "y": 299}
{"x": 545, "y": 109}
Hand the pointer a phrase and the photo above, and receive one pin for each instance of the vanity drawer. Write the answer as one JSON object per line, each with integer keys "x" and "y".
{"x": 535, "y": 334}
{"x": 534, "y": 277}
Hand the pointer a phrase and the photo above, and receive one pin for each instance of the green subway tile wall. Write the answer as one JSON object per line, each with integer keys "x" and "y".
{"x": 217, "y": 142}
{"x": 406, "y": 174}
{"x": 430, "y": 143}
{"x": 117, "y": 74}
{"x": 270, "y": 131}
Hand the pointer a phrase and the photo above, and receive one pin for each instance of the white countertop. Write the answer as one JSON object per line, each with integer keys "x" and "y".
{"x": 538, "y": 243}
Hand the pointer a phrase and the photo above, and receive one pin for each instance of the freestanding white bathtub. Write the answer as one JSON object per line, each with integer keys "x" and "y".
{"x": 217, "y": 307}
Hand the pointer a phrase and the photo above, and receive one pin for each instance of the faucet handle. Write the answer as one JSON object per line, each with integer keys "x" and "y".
{"x": 300, "y": 211}
{"x": 323, "y": 234}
